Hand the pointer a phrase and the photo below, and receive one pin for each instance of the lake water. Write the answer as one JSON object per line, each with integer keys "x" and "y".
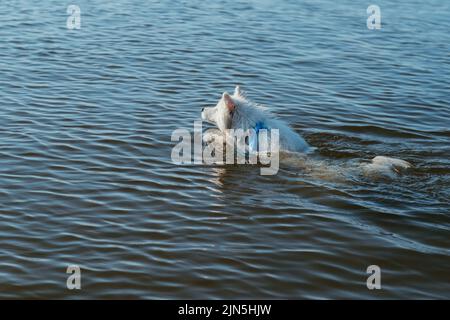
{"x": 86, "y": 176}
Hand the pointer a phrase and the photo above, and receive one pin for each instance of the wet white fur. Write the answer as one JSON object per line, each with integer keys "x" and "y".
{"x": 246, "y": 115}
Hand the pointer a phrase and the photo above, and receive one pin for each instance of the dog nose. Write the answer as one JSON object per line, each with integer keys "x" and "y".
{"x": 203, "y": 109}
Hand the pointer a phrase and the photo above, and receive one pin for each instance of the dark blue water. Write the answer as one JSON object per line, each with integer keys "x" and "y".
{"x": 86, "y": 176}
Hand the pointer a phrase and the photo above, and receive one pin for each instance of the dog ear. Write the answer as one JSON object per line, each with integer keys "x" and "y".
{"x": 228, "y": 102}
{"x": 238, "y": 91}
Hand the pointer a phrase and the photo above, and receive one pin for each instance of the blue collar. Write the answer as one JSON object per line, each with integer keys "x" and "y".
{"x": 253, "y": 143}
{"x": 258, "y": 126}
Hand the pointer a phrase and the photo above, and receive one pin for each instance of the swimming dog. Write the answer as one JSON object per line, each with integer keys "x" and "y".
{"x": 237, "y": 112}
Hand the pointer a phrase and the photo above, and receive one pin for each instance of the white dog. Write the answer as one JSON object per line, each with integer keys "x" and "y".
{"x": 237, "y": 112}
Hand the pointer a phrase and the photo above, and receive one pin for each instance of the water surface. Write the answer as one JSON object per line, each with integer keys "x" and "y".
{"x": 86, "y": 176}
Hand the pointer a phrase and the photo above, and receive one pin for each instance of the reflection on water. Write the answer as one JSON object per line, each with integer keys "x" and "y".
{"x": 86, "y": 176}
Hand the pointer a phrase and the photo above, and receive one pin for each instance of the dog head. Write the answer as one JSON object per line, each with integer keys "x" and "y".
{"x": 222, "y": 114}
